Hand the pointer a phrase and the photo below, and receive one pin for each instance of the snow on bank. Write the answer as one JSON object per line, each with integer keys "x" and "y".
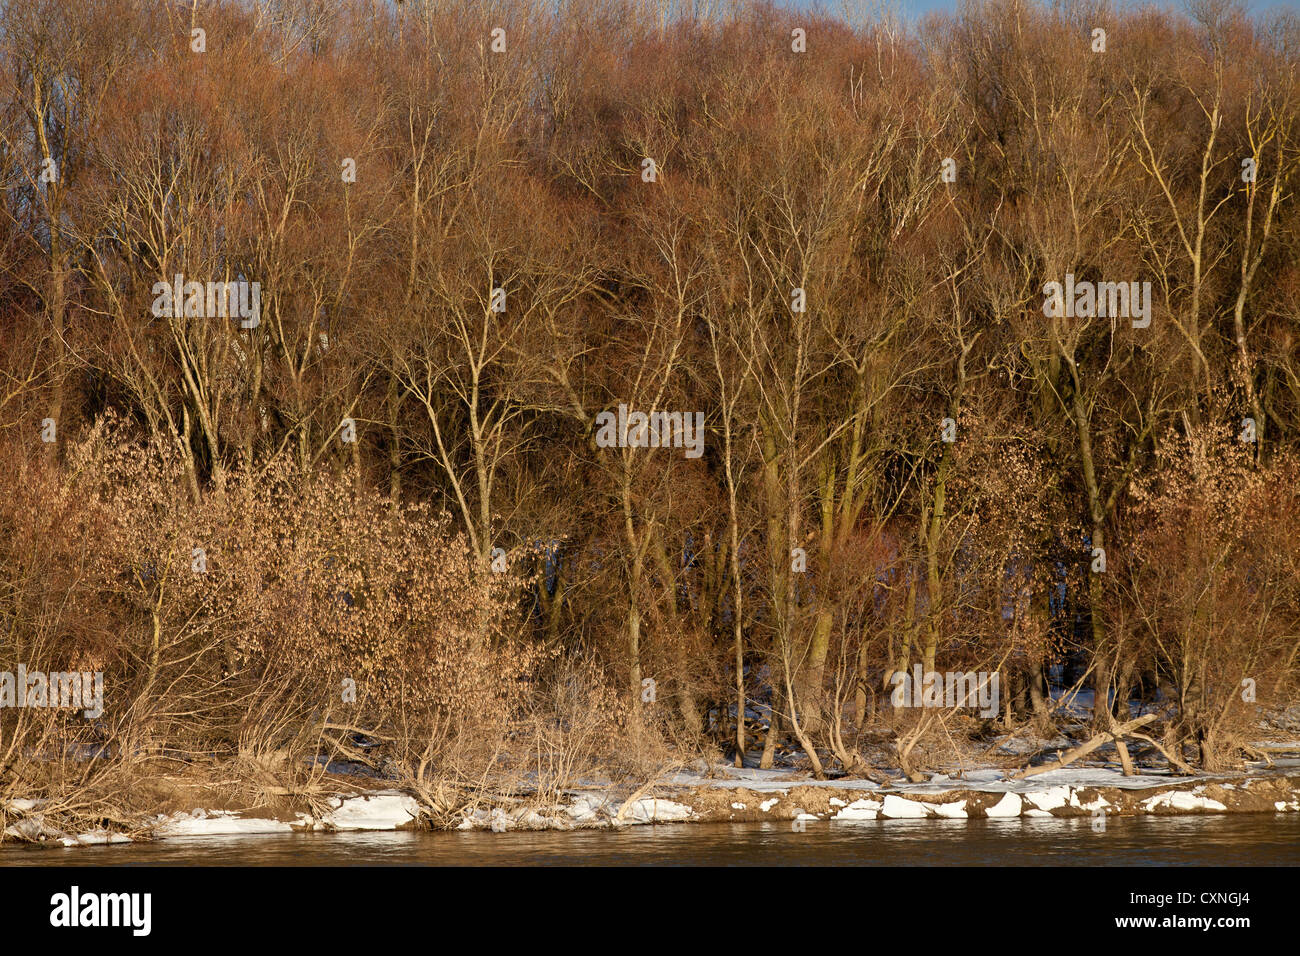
{"x": 952, "y": 811}
{"x": 896, "y": 808}
{"x": 655, "y": 811}
{"x": 724, "y": 793}
{"x": 1051, "y": 798}
{"x": 214, "y": 823}
{"x": 989, "y": 780}
{"x": 377, "y": 810}
{"x": 380, "y": 810}
{"x": 34, "y": 829}
{"x": 734, "y": 795}
{"x": 1008, "y": 806}
{"x": 95, "y": 838}
{"x": 22, "y": 805}
{"x": 1183, "y": 800}
{"x": 583, "y": 811}
{"x": 859, "y": 810}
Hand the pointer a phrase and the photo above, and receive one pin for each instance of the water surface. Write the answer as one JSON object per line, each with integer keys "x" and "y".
{"x": 1227, "y": 840}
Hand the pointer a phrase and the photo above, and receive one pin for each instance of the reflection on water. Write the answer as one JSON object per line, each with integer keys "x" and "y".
{"x": 1236, "y": 840}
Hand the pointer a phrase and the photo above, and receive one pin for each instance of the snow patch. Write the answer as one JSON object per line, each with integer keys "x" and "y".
{"x": 95, "y": 838}
{"x": 654, "y": 810}
{"x": 896, "y": 808}
{"x": 859, "y": 810}
{"x": 381, "y": 810}
{"x": 1050, "y": 799}
{"x": 952, "y": 811}
{"x": 587, "y": 808}
{"x": 1008, "y": 806}
{"x": 1181, "y": 800}
{"x": 22, "y": 805}
{"x": 214, "y": 823}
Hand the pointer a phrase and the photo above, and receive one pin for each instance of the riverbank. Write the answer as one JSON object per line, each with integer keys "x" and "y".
{"x": 717, "y": 794}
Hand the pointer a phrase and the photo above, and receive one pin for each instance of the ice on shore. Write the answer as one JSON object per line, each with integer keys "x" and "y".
{"x": 1181, "y": 800}
{"x": 859, "y": 810}
{"x": 587, "y": 808}
{"x": 1092, "y": 806}
{"x": 95, "y": 838}
{"x": 951, "y": 811}
{"x": 896, "y": 808}
{"x": 1043, "y": 795}
{"x": 1008, "y": 806}
{"x": 34, "y": 829}
{"x": 652, "y": 810}
{"x": 988, "y": 780}
{"x": 1049, "y": 799}
{"x": 215, "y": 823}
{"x": 381, "y": 810}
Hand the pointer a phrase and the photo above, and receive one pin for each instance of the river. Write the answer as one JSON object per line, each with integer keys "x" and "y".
{"x": 1227, "y": 840}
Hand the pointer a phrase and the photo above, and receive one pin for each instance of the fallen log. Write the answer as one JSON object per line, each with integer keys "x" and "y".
{"x": 1083, "y": 750}
{"x": 1174, "y": 760}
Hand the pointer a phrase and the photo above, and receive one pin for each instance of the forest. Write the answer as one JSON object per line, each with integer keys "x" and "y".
{"x": 522, "y": 392}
